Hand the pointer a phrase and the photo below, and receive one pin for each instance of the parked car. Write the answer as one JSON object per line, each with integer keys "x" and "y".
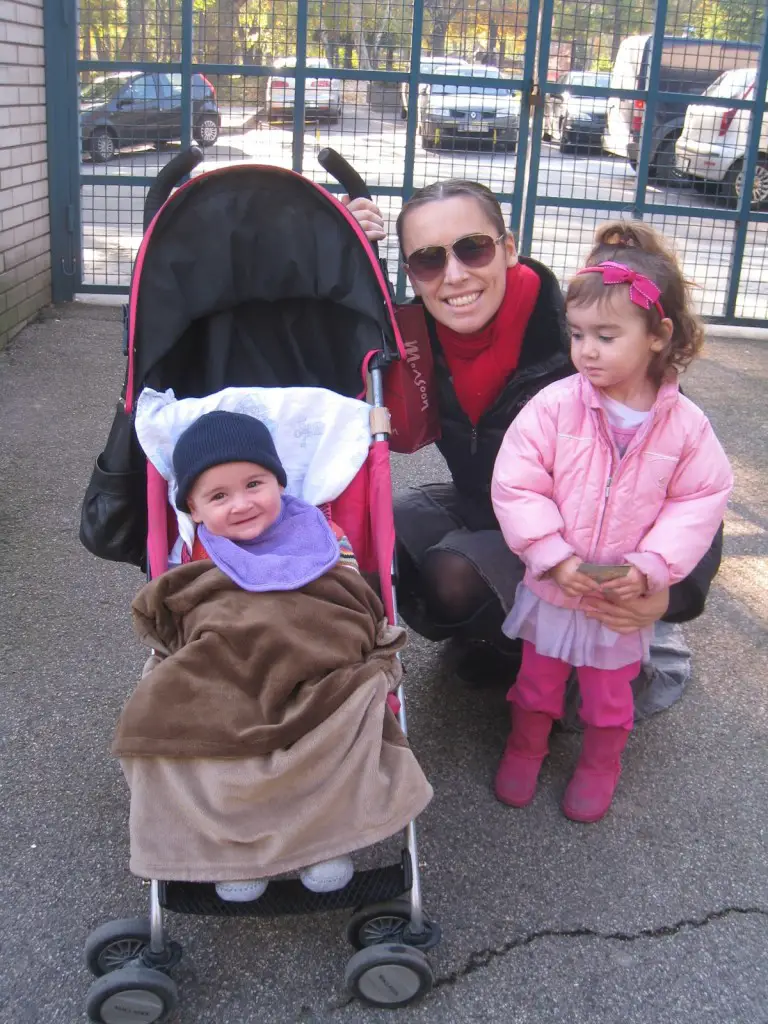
{"x": 454, "y": 113}
{"x": 713, "y": 144}
{"x": 432, "y": 66}
{"x": 687, "y": 66}
{"x": 576, "y": 121}
{"x": 125, "y": 108}
{"x": 322, "y": 96}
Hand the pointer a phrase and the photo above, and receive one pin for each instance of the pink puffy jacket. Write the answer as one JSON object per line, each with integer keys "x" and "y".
{"x": 560, "y": 488}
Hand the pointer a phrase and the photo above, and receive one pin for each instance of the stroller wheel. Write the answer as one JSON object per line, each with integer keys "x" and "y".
{"x": 390, "y": 922}
{"x": 118, "y": 944}
{"x": 389, "y": 976}
{"x": 131, "y": 994}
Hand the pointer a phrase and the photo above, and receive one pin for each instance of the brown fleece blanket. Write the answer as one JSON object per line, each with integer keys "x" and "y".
{"x": 245, "y": 673}
{"x": 261, "y": 741}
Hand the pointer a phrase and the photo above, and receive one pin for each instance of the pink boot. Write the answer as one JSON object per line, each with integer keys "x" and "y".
{"x": 590, "y": 791}
{"x": 523, "y": 755}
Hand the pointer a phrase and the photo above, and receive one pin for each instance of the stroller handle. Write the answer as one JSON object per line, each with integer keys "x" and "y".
{"x": 344, "y": 173}
{"x": 349, "y": 179}
{"x": 167, "y": 179}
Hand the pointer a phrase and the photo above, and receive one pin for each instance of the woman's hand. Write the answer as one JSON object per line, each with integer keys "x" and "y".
{"x": 626, "y": 588}
{"x": 629, "y": 616}
{"x": 368, "y": 216}
{"x": 572, "y": 582}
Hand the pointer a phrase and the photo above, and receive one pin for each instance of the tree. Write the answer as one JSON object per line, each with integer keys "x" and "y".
{"x": 135, "y": 42}
{"x": 440, "y": 14}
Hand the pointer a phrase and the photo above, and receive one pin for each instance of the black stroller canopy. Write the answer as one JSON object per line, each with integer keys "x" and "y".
{"x": 253, "y": 276}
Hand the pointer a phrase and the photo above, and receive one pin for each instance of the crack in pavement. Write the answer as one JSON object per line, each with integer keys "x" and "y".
{"x": 482, "y": 958}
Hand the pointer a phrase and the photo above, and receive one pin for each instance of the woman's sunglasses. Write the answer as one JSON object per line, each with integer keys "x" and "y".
{"x": 474, "y": 251}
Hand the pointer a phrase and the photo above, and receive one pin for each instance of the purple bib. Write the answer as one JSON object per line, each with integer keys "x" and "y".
{"x": 297, "y": 548}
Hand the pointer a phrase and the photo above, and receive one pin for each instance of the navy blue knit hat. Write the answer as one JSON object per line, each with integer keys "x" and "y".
{"x": 219, "y": 437}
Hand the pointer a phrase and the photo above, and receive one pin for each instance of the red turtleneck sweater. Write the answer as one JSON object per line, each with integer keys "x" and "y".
{"x": 481, "y": 363}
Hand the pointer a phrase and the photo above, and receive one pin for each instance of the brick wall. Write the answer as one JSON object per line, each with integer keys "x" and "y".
{"x": 25, "y": 262}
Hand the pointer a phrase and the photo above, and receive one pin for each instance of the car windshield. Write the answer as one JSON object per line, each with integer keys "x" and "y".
{"x": 101, "y": 90}
{"x": 472, "y": 88}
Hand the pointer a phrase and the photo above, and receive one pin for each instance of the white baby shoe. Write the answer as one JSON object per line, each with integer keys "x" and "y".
{"x": 328, "y": 875}
{"x": 241, "y": 892}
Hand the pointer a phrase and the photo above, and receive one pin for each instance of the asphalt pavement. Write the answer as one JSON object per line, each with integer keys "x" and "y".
{"x": 659, "y": 913}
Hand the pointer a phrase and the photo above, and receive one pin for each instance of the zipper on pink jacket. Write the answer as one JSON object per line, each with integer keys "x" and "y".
{"x": 633, "y": 447}
{"x": 612, "y": 445}
{"x": 605, "y": 509}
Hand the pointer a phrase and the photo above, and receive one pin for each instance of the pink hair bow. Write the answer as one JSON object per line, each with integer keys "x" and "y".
{"x": 642, "y": 291}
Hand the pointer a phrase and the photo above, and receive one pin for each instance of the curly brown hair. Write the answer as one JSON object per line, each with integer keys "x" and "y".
{"x": 643, "y": 249}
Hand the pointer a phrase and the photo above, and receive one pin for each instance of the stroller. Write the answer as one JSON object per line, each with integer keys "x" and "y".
{"x": 253, "y": 276}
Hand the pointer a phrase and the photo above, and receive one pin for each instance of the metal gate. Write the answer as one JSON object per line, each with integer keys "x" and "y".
{"x": 512, "y": 93}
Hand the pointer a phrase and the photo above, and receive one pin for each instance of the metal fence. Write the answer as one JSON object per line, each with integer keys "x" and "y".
{"x": 572, "y": 112}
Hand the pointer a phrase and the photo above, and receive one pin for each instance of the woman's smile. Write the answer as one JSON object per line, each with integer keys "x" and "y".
{"x": 459, "y": 301}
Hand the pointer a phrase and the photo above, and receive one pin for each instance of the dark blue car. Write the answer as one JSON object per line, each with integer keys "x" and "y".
{"x": 128, "y": 108}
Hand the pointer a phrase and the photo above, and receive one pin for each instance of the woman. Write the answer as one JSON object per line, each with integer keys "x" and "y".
{"x": 498, "y": 334}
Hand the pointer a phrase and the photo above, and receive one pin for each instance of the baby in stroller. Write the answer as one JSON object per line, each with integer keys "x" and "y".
{"x": 259, "y": 740}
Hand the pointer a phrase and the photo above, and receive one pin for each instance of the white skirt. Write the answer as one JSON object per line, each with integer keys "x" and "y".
{"x": 568, "y": 635}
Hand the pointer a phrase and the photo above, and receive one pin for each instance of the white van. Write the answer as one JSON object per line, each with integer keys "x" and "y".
{"x": 687, "y": 66}
{"x": 714, "y": 140}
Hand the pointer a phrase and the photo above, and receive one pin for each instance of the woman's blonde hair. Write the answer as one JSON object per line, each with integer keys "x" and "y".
{"x": 643, "y": 249}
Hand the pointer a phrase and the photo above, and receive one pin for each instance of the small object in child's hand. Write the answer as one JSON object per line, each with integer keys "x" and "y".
{"x": 604, "y": 573}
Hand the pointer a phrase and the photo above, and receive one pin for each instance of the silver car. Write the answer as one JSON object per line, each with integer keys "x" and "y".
{"x": 322, "y": 96}
{"x": 449, "y": 114}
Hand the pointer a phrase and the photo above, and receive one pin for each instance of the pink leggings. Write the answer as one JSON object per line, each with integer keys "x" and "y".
{"x": 606, "y": 693}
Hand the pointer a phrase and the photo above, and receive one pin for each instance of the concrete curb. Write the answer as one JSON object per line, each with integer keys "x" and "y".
{"x": 726, "y": 332}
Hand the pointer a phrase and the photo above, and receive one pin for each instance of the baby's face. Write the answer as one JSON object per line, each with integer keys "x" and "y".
{"x": 236, "y": 500}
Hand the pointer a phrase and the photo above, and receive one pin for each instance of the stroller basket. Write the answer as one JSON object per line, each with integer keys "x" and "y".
{"x": 289, "y": 896}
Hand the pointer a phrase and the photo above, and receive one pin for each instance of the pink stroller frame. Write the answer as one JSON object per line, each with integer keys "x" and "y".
{"x": 389, "y": 929}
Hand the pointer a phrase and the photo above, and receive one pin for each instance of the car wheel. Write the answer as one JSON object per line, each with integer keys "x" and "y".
{"x": 335, "y": 116}
{"x": 733, "y": 183}
{"x": 566, "y": 143}
{"x": 664, "y": 169}
{"x": 103, "y": 145}
{"x": 206, "y": 130}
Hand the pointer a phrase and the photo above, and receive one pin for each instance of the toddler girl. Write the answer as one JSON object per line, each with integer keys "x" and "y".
{"x": 610, "y": 482}
{"x": 233, "y": 727}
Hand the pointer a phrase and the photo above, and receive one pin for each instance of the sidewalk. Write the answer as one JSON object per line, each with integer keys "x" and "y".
{"x": 659, "y": 913}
